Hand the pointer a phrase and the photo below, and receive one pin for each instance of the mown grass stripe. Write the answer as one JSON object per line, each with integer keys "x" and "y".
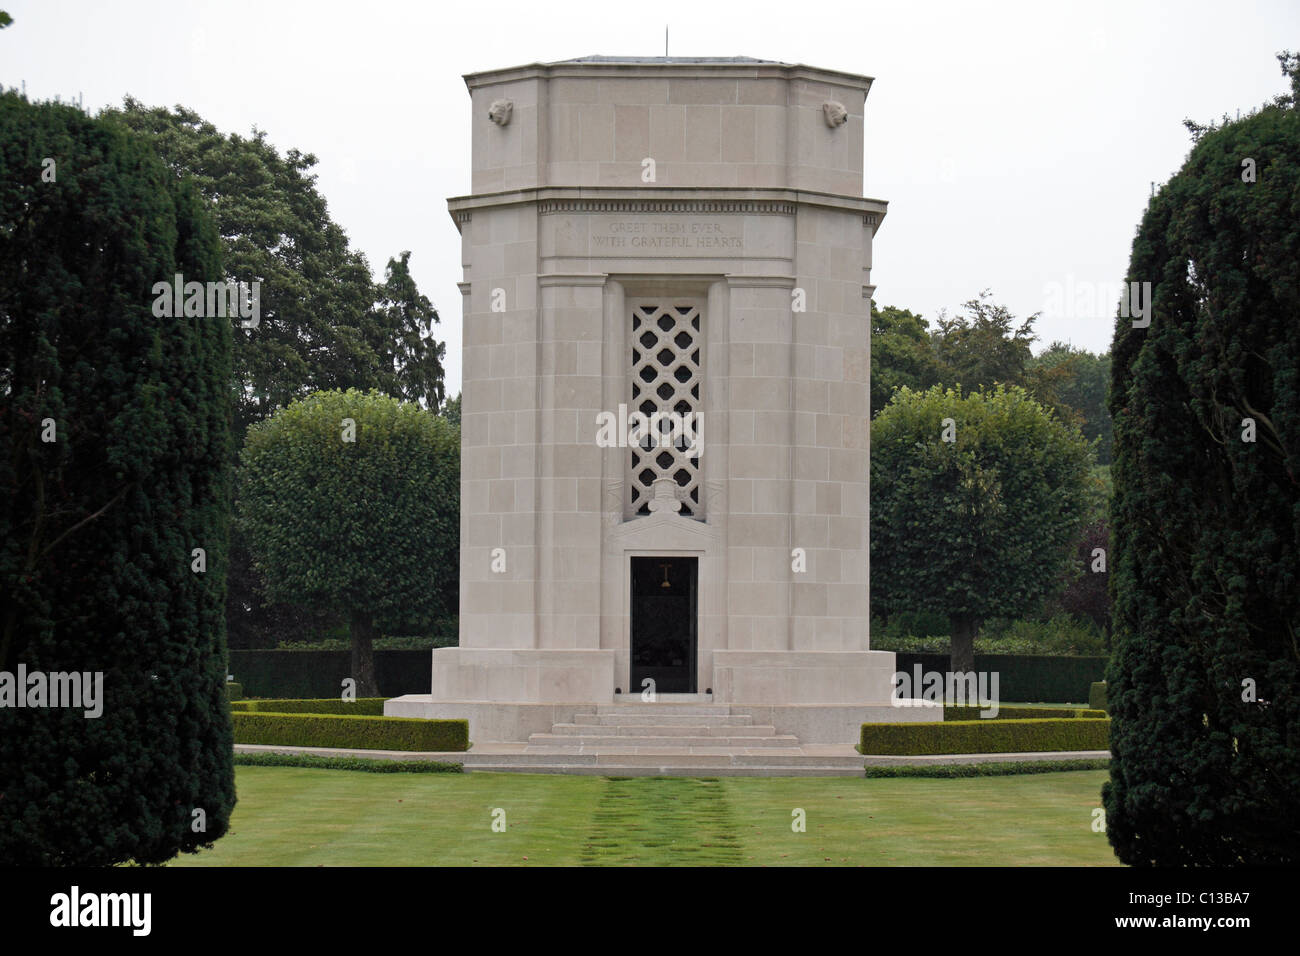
{"x": 661, "y": 821}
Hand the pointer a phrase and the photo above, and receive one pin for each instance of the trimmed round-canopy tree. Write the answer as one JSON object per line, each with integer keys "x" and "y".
{"x": 351, "y": 501}
{"x": 976, "y": 504}
{"x": 1204, "y": 682}
{"x": 114, "y": 472}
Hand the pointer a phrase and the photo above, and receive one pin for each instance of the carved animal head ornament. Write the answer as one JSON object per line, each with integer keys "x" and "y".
{"x": 835, "y": 113}
{"x": 500, "y": 111}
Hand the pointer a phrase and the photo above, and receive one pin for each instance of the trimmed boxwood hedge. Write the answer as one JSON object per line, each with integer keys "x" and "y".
{"x": 1019, "y": 713}
{"x": 1097, "y": 695}
{"x": 986, "y": 736}
{"x": 364, "y": 764}
{"x": 1001, "y": 768}
{"x": 358, "y": 733}
{"x": 363, "y": 707}
{"x": 234, "y": 691}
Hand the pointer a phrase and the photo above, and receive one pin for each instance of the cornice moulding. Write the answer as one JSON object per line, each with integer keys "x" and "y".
{"x": 725, "y": 200}
{"x": 669, "y": 70}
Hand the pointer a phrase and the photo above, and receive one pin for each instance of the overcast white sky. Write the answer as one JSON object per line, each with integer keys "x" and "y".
{"x": 1015, "y": 142}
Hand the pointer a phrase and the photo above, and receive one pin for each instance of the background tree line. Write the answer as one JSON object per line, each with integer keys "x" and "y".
{"x": 326, "y": 324}
{"x": 1049, "y": 601}
{"x": 984, "y": 346}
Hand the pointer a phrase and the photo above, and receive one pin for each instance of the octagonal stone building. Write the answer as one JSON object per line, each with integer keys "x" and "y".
{"x": 665, "y": 412}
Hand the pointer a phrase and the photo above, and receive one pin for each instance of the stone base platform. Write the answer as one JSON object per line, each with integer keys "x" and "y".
{"x": 510, "y": 695}
{"x": 517, "y": 722}
{"x": 804, "y": 761}
{"x": 686, "y": 734}
{"x": 810, "y": 761}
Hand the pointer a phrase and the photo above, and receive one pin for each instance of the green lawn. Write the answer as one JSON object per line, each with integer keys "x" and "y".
{"x": 307, "y": 817}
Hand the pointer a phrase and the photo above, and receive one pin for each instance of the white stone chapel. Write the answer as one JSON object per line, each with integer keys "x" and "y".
{"x": 664, "y": 463}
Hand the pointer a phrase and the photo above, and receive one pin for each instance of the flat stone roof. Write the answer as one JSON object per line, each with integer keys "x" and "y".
{"x": 668, "y": 59}
{"x": 649, "y": 66}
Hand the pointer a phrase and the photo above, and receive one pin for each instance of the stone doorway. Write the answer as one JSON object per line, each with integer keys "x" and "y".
{"x": 663, "y": 626}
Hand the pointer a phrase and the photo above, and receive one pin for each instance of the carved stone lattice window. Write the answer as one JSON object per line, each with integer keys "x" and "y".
{"x": 666, "y": 373}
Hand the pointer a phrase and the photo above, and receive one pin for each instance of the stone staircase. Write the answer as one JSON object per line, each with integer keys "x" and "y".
{"x": 678, "y": 734}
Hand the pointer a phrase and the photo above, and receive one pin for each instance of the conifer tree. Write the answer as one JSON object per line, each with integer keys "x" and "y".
{"x": 114, "y": 429}
{"x": 1204, "y": 684}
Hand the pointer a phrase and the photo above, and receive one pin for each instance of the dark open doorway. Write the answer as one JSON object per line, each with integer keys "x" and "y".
{"x": 663, "y": 623}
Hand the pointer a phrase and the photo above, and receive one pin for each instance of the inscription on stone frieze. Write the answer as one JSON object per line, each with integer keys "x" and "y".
{"x": 665, "y": 233}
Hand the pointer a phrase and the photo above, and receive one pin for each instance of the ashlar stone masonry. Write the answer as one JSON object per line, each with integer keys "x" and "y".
{"x": 647, "y": 240}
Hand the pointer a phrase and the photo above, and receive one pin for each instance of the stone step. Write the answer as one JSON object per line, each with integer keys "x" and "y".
{"x": 852, "y": 762}
{"x": 607, "y": 741}
{"x": 655, "y": 770}
{"x": 668, "y": 730}
{"x": 699, "y": 756}
{"x": 682, "y": 759}
{"x": 662, "y": 707}
{"x": 694, "y": 761}
{"x": 643, "y": 719}
{"x": 527, "y": 758}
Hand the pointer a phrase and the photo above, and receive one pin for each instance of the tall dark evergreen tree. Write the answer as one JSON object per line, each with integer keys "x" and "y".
{"x": 114, "y": 432}
{"x": 1205, "y": 679}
